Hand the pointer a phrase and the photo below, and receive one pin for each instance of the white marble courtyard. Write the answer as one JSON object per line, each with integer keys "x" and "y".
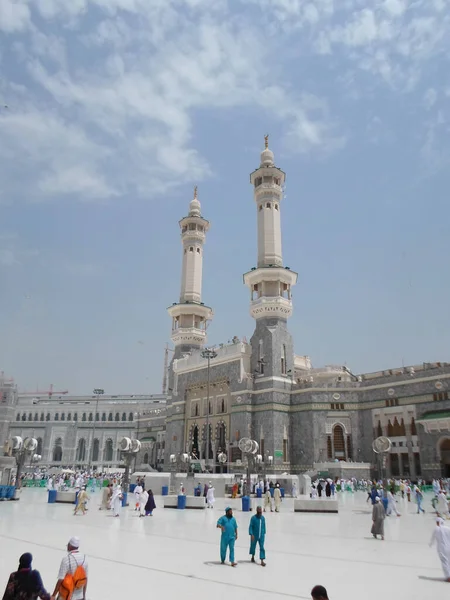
{"x": 176, "y": 553}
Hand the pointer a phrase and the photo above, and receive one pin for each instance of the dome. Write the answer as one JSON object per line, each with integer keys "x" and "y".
{"x": 267, "y": 158}
{"x": 194, "y": 205}
{"x": 267, "y": 155}
{"x": 194, "y": 208}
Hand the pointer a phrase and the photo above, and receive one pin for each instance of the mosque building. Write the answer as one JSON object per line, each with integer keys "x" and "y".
{"x": 303, "y": 418}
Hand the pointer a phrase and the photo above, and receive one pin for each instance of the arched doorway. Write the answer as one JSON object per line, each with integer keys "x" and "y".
{"x": 444, "y": 451}
{"x": 81, "y": 450}
{"x": 195, "y": 442}
{"x": 339, "y": 442}
{"x": 108, "y": 452}
{"x": 208, "y": 454}
{"x": 57, "y": 450}
{"x": 39, "y": 446}
{"x": 96, "y": 450}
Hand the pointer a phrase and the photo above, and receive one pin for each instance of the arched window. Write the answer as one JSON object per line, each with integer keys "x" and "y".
{"x": 103, "y": 416}
{"x": 146, "y": 458}
{"x": 75, "y": 417}
{"x": 36, "y": 418}
{"x": 39, "y": 446}
{"x": 124, "y": 416}
{"x": 221, "y": 436}
{"x": 390, "y": 429}
{"x": 339, "y": 442}
{"x": 110, "y": 416}
{"x": 57, "y": 450}
{"x": 42, "y": 417}
{"x": 24, "y": 417}
{"x": 30, "y": 416}
{"x": 130, "y": 417}
{"x": 69, "y": 417}
{"x": 47, "y": 418}
{"x": 56, "y": 416}
{"x": 96, "y": 450}
{"x": 117, "y": 417}
{"x": 91, "y": 416}
{"x": 63, "y": 416}
{"x": 83, "y": 418}
{"x": 379, "y": 429}
{"x": 108, "y": 451}
{"x": 97, "y": 416}
{"x": 283, "y": 359}
{"x": 81, "y": 450}
{"x": 18, "y": 417}
{"x": 413, "y": 427}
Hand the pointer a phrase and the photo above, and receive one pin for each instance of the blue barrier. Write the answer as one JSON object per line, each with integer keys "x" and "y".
{"x": 181, "y": 504}
{"x": 7, "y": 492}
{"x": 165, "y": 490}
{"x": 52, "y": 496}
{"x": 124, "y": 498}
{"x": 245, "y": 503}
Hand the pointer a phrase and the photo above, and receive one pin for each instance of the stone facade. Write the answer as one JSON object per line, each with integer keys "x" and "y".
{"x": 299, "y": 415}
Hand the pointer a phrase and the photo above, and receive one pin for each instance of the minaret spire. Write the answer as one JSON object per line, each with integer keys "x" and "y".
{"x": 190, "y": 315}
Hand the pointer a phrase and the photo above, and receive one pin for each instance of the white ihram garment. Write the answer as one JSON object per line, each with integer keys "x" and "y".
{"x": 210, "y": 497}
{"x": 441, "y": 536}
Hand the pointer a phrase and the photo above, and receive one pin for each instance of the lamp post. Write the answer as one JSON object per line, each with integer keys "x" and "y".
{"x": 97, "y": 393}
{"x": 209, "y": 354}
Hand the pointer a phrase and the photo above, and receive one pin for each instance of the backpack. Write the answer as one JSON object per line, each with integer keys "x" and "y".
{"x": 73, "y": 581}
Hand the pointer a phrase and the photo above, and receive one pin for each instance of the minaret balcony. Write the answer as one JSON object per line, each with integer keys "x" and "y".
{"x": 275, "y": 307}
{"x": 188, "y": 336}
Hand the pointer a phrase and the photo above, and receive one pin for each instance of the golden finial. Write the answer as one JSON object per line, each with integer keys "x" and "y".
{"x": 195, "y": 193}
{"x": 266, "y": 141}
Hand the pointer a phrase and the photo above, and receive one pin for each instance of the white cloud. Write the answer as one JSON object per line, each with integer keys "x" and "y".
{"x": 121, "y": 121}
{"x": 14, "y": 15}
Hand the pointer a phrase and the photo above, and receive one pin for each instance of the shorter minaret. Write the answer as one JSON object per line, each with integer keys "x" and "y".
{"x": 190, "y": 315}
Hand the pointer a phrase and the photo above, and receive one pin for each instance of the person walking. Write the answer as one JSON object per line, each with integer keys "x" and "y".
{"x": 25, "y": 583}
{"x": 268, "y": 500}
{"x": 82, "y": 499}
{"x": 419, "y": 499}
{"x": 74, "y": 563}
{"x": 143, "y": 499}
{"x": 257, "y": 533}
{"x": 210, "y": 499}
{"x": 150, "y": 504}
{"x": 378, "y": 516}
{"x": 227, "y": 523}
{"x": 441, "y": 536}
{"x": 277, "y": 498}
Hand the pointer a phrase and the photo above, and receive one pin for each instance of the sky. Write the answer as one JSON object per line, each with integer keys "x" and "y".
{"x": 111, "y": 111}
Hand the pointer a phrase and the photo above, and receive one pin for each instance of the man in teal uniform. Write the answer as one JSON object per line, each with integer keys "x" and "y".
{"x": 257, "y": 533}
{"x": 229, "y": 528}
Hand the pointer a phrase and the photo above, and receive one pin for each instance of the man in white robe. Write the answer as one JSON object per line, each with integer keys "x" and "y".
{"x": 210, "y": 499}
{"x": 116, "y": 501}
{"x": 143, "y": 497}
{"x": 391, "y": 506}
{"x": 137, "y": 494}
{"x": 277, "y": 499}
{"x": 442, "y": 505}
{"x": 268, "y": 500}
{"x": 441, "y": 535}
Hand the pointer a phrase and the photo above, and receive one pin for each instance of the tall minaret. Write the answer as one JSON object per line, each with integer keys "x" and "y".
{"x": 270, "y": 283}
{"x": 190, "y": 315}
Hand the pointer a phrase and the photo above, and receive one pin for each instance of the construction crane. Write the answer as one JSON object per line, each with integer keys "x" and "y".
{"x": 50, "y": 392}
{"x": 166, "y": 368}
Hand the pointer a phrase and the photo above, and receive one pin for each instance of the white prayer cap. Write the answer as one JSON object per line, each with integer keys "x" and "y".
{"x": 74, "y": 542}
{"x": 377, "y": 498}
{"x": 440, "y": 521}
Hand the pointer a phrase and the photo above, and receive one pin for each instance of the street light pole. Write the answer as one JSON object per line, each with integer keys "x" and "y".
{"x": 209, "y": 354}
{"x": 97, "y": 392}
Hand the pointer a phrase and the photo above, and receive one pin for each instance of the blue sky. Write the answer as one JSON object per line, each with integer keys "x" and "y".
{"x": 117, "y": 108}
